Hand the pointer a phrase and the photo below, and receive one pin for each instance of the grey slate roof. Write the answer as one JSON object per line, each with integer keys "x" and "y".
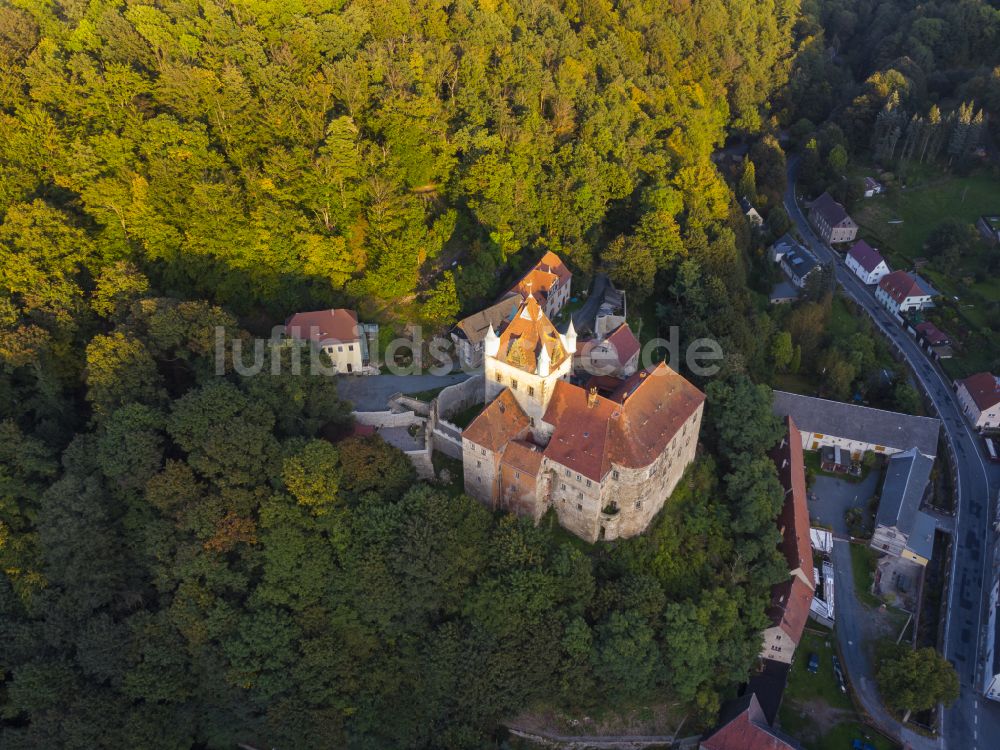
{"x": 906, "y": 479}
{"x": 924, "y": 284}
{"x": 784, "y": 290}
{"x": 800, "y": 261}
{"x": 834, "y": 213}
{"x": 891, "y": 429}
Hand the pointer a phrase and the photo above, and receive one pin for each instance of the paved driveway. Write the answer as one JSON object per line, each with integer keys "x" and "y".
{"x": 371, "y": 393}
{"x": 830, "y": 497}
{"x": 854, "y": 635}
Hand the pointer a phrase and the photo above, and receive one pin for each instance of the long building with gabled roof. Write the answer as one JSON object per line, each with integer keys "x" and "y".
{"x": 791, "y": 598}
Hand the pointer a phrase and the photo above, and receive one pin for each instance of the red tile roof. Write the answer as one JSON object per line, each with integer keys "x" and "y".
{"x": 790, "y": 599}
{"x": 984, "y": 388}
{"x": 624, "y": 342}
{"x": 932, "y": 333}
{"x": 866, "y": 255}
{"x": 900, "y": 285}
{"x": 523, "y": 455}
{"x": 500, "y": 422}
{"x": 794, "y": 517}
{"x": 790, "y": 602}
{"x": 748, "y": 730}
{"x": 540, "y": 279}
{"x": 631, "y": 428}
{"x": 522, "y": 339}
{"x": 621, "y": 343}
{"x": 338, "y": 325}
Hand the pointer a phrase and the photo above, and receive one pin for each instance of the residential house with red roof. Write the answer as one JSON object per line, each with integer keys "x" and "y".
{"x": 830, "y": 220}
{"x": 617, "y": 354}
{"x": 744, "y": 727}
{"x": 336, "y": 332}
{"x": 898, "y": 292}
{"x": 605, "y": 461}
{"x": 979, "y": 396}
{"x": 866, "y": 263}
{"x": 791, "y": 599}
{"x": 548, "y": 281}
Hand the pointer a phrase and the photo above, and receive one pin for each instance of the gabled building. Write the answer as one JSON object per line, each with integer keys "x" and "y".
{"x": 899, "y": 293}
{"x": 857, "y": 429}
{"x": 605, "y": 463}
{"x": 743, "y": 726}
{"x": 866, "y": 263}
{"x": 335, "y": 332}
{"x": 549, "y": 282}
{"x": 469, "y": 333}
{"x": 933, "y": 339}
{"x": 831, "y": 221}
{"x": 617, "y": 354}
{"x": 901, "y": 528}
{"x": 792, "y": 598}
{"x": 872, "y": 187}
{"x": 798, "y": 264}
{"x": 753, "y": 216}
{"x": 979, "y": 396}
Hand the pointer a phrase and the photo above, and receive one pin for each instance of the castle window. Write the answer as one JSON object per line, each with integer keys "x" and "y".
{"x": 483, "y": 450}
{"x": 562, "y": 486}
{"x": 568, "y": 473}
{"x": 638, "y": 504}
{"x": 579, "y": 506}
{"x": 499, "y": 378}
{"x": 479, "y": 463}
{"x": 588, "y": 482}
{"x": 578, "y": 477}
{"x": 614, "y": 474}
{"x": 531, "y": 390}
{"x": 517, "y": 475}
{"x": 513, "y": 384}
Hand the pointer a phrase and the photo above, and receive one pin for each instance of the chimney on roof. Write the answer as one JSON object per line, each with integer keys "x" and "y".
{"x": 592, "y": 396}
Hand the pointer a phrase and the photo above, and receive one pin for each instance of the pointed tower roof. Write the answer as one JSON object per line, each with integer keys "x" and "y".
{"x": 524, "y": 337}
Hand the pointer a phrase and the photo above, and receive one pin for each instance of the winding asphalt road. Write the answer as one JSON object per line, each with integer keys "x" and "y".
{"x": 972, "y": 723}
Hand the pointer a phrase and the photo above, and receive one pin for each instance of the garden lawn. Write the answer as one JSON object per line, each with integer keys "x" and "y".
{"x": 863, "y": 570}
{"x": 930, "y": 198}
{"x": 814, "y": 711}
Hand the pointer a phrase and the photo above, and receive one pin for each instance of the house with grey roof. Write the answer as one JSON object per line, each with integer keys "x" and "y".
{"x": 830, "y": 220}
{"x": 901, "y": 528}
{"x": 798, "y": 263}
{"x": 857, "y": 428}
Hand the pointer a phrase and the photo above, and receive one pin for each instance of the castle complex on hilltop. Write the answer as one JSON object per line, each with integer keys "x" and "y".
{"x": 605, "y": 457}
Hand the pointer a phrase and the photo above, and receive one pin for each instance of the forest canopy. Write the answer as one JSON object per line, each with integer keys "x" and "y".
{"x": 198, "y": 560}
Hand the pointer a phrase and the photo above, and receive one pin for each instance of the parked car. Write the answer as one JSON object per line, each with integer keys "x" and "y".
{"x": 813, "y": 665}
{"x": 840, "y": 674}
